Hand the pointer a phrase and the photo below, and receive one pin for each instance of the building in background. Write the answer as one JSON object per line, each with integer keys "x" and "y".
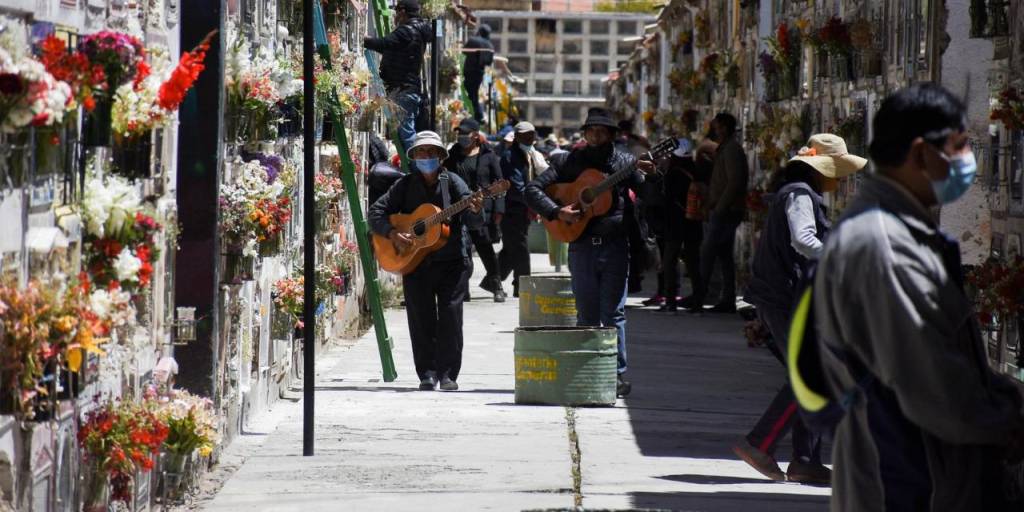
{"x": 566, "y": 57}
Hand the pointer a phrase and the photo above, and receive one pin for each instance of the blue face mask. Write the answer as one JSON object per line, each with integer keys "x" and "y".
{"x": 526, "y": 147}
{"x": 962, "y": 170}
{"x": 427, "y": 165}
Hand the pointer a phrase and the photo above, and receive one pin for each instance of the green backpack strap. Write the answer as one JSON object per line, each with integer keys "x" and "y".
{"x": 803, "y": 320}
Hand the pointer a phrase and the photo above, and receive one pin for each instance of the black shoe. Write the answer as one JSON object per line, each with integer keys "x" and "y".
{"x": 724, "y": 307}
{"x": 429, "y": 382}
{"x": 669, "y": 307}
{"x": 515, "y": 292}
{"x": 448, "y": 384}
{"x": 806, "y": 472}
{"x": 499, "y": 295}
{"x": 622, "y": 387}
{"x": 657, "y": 300}
{"x": 490, "y": 283}
{"x": 693, "y": 305}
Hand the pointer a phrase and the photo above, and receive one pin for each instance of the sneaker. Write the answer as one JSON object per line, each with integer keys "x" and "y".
{"x": 622, "y": 387}
{"x": 657, "y": 300}
{"x": 429, "y": 382}
{"x": 724, "y": 307}
{"x": 448, "y": 384}
{"x": 761, "y": 461}
{"x": 806, "y": 472}
{"x": 499, "y": 295}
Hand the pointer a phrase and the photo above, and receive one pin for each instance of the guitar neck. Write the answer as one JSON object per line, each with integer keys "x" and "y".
{"x": 446, "y": 214}
{"x": 612, "y": 180}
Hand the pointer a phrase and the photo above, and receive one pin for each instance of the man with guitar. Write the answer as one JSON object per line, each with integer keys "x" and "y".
{"x": 599, "y": 257}
{"x": 436, "y": 288}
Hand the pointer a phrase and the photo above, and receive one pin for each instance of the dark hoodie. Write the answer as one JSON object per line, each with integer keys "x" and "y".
{"x": 477, "y": 61}
{"x": 486, "y": 170}
{"x": 402, "y": 52}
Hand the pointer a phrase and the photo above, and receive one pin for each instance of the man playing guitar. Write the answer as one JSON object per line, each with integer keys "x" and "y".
{"x": 599, "y": 258}
{"x": 435, "y": 290}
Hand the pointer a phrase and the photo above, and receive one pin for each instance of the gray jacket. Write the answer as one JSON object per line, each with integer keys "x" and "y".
{"x": 928, "y": 432}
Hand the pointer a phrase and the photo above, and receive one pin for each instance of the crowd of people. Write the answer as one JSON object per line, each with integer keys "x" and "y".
{"x": 879, "y": 347}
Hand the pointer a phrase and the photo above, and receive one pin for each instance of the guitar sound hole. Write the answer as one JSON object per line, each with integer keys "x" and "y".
{"x": 419, "y": 229}
{"x": 587, "y": 196}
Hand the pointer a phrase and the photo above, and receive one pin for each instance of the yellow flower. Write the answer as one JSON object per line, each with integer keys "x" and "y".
{"x": 802, "y": 24}
{"x": 205, "y": 450}
{"x": 65, "y": 323}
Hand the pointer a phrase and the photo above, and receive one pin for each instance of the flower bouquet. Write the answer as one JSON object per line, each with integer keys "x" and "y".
{"x": 256, "y": 208}
{"x": 781, "y": 70}
{"x": 117, "y": 59}
{"x": 255, "y": 84}
{"x": 289, "y": 296}
{"x": 1009, "y": 109}
{"x": 191, "y": 429}
{"x": 340, "y": 267}
{"x": 118, "y": 439}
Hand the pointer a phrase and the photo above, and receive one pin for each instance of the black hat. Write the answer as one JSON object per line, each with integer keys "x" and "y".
{"x": 409, "y": 6}
{"x": 469, "y": 125}
{"x": 598, "y": 116}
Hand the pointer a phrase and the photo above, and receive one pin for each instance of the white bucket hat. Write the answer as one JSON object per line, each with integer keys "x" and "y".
{"x": 427, "y": 138}
{"x": 828, "y": 155}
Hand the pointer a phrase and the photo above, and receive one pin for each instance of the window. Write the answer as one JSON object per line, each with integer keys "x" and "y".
{"x": 627, "y": 28}
{"x": 544, "y": 65}
{"x": 519, "y": 64}
{"x": 544, "y": 36}
{"x": 520, "y": 26}
{"x": 596, "y": 88}
{"x": 494, "y": 23}
{"x": 572, "y": 66}
{"x": 599, "y": 47}
{"x": 517, "y": 46}
{"x": 572, "y": 86}
{"x": 542, "y": 113}
{"x": 570, "y": 113}
{"x": 599, "y": 27}
{"x": 572, "y": 27}
{"x": 625, "y": 48}
{"x": 543, "y": 87}
{"x": 599, "y": 67}
{"x": 572, "y": 46}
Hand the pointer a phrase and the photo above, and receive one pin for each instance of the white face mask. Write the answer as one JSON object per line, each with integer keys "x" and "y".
{"x": 526, "y": 147}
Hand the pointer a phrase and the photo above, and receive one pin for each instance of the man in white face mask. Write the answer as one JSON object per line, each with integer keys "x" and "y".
{"x": 930, "y": 424}
{"x": 520, "y": 165}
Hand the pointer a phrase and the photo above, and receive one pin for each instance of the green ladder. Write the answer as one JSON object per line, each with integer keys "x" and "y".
{"x": 348, "y": 176}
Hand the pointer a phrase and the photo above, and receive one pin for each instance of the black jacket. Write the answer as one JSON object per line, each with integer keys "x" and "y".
{"x": 486, "y": 171}
{"x": 411, "y": 191}
{"x": 402, "y": 52}
{"x": 611, "y": 224}
{"x": 477, "y": 61}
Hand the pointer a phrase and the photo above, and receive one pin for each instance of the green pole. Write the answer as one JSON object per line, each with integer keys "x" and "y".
{"x": 348, "y": 177}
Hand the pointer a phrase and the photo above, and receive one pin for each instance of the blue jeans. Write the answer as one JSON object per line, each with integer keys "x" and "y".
{"x": 599, "y": 275}
{"x": 409, "y": 101}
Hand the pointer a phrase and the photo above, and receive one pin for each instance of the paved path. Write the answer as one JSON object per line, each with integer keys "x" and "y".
{"x": 385, "y": 446}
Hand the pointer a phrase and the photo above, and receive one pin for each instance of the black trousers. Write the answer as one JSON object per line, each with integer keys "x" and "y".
{"x": 685, "y": 239}
{"x": 782, "y": 415}
{"x": 515, "y": 253}
{"x": 718, "y": 245}
{"x": 472, "y": 83}
{"x": 484, "y": 248}
{"x": 434, "y": 293}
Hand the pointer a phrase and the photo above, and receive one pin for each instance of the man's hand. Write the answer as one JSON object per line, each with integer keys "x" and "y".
{"x": 476, "y": 203}
{"x": 645, "y": 166}
{"x": 400, "y": 240}
{"x": 497, "y": 218}
{"x": 569, "y": 214}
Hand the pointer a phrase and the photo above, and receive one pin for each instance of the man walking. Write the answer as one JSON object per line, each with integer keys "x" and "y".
{"x": 479, "y": 54}
{"x": 472, "y": 159}
{"x": 932, "y": 424}
{"x": 402, "y": 62}
{"x": 598, "y": 259}
{"x": 519, "y": 165}
{"x": 434, "y": 292}
{"x": 727, "y": 206}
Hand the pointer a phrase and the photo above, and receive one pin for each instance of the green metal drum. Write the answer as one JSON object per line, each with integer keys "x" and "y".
{"x": 546, "y": 299}
{"x": 566, "y": 365}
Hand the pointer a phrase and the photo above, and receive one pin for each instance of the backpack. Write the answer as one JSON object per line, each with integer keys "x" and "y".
{"x": 820, "y": 410}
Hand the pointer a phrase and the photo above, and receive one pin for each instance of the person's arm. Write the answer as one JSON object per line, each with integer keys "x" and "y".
{"x": 911, "y": 324}
{"x": 537, "y": 199}
{"x": 734, "y": 165}
{"x": 803, "y": 229}
{"x": 461, "y": 191}
{"x": 390, "y": 203}
{"x": 398, "y": 39}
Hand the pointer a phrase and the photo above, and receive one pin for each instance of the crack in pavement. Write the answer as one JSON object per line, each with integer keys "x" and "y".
{"x": 575, "y": 455}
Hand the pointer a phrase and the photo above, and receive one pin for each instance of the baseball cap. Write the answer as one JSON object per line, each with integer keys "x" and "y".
{"x": 524, "y": 127}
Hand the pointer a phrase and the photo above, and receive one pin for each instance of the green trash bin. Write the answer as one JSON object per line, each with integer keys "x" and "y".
{"x": 558, "y": 253}
{"x": 565, "y": 365}
{"x": 546, "y": 299}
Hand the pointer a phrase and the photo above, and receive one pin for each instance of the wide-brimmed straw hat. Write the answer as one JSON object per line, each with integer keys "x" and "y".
{"x": 828, "y": 155}
{"x": 427, "y": 138}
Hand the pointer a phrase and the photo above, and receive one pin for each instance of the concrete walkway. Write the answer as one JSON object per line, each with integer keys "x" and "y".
{"x": 385, "y": 446}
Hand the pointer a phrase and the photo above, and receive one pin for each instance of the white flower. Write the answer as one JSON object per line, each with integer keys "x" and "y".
{"x": 109, "y": 205}
{"x": 100, "y": 303}
{"x": 127, "y": 266}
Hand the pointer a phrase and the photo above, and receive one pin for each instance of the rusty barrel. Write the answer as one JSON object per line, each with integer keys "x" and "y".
{"x": 546, "y": 299}
{"x": 565, "y": 365}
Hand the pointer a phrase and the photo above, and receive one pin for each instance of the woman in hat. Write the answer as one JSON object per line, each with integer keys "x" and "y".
{"x": 435, "y": 291}
{"x": 792, "y": 239}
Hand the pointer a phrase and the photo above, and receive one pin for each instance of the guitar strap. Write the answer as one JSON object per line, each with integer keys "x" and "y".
{"x": 446, "y": 195}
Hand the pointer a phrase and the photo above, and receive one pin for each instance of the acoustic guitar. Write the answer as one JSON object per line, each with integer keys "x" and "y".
{"x": 592, "y": 194}
{"x": 428, "y": 227}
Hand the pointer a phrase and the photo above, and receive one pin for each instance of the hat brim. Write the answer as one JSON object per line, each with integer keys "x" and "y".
{"x": 607, "y": 124}
{"x": 432, "y": 144}
{"x": 834, "y": 166}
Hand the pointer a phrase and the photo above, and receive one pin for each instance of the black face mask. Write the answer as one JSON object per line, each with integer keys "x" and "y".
{"x": 600, "y": 154}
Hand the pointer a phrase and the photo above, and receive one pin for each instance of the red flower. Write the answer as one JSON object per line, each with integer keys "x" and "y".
{"x": 172, "y": 92}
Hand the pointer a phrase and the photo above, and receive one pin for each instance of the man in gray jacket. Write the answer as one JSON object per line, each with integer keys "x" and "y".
{"x": 932, "y": 423}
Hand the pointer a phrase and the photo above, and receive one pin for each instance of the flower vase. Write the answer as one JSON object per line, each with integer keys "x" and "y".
{"x": 14, "y": 158}
{"x": 97, "y": 128}
{"x": 133, "y": 155}
{"x": 271, "y": 246}
{"x": 49, "y": 151}
{"x": 174, "y": 476}
{"x": 96, "y": 493}
{"x": 238, "y": 268}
